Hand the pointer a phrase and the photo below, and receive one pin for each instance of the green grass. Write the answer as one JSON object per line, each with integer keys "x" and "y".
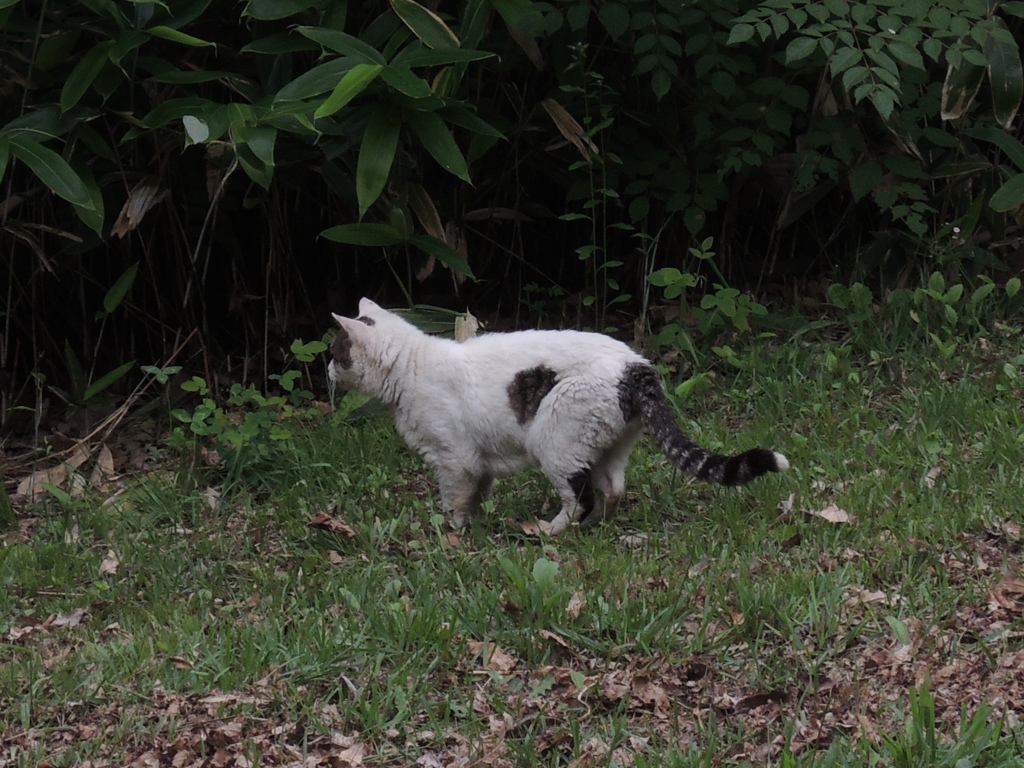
{"x": 704, "y": 626}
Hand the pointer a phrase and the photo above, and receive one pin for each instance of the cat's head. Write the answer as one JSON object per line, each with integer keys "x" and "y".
{"x": 359, "y": 353}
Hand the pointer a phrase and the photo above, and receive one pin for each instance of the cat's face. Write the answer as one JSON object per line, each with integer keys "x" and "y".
{"x": 355, "y": 351}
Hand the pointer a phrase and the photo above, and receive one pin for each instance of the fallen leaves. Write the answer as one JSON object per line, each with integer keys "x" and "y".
{"x": 833, "y": 514}
{"x": 68, "y": 620}
{"x": 328, "y": 522}
{"x": 531, "y": 527}
{"x": 1008, "y": 594}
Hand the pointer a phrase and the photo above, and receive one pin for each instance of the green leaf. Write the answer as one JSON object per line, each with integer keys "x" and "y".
{"x": 425, "y": 24}
{"x": 1004, "y": 74}
{"x": 363, "y": 234}
{"x": 427, "y": 58}
{"x": 906, "y": 53}
{"x": 120, "y": 288}
{"x": 345, "y": 44}
{"x": 188, "y": 77}
{"x": 351, "y": 85}
{"x": 178, "y": 37}
{"x": 864, "y": 178}
{"x": 443, "y": 253}
{"x": 1008, "y": 196}
{"x": 320, "y": 79}
{"x": 259, "y": 138}
{"x": 615, "y": 18}
{"x": 843, "y": 59}
{"x": 83, "y": 75}
{"x": 52, "y": 169}
{"x": 884, "y": 100}
{"x": 404, "y": 81}
{"x": 661, "y": 83}
{"x": 521, "y": 15}
{"x": 457, "y": 114}
{"x": 1011, "y": 146}
{"x": 433, "y": 133}
{"x": 800, "y": 48}
{"x": 740, "y": 34}
{"x": 105, "y": 381}
{"x": 899, "y": 629}
{"x": 376, "y": 154}
{"x": 270, "y": 10}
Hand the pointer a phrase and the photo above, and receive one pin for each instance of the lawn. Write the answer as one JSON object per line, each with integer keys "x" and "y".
{"x": 305, "y": 604}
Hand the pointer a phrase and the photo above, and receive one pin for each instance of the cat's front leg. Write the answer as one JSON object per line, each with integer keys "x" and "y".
{"x": 462, "y": 493}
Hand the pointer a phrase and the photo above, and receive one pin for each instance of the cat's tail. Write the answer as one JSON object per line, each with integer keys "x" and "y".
{"x": 643, "y": 395}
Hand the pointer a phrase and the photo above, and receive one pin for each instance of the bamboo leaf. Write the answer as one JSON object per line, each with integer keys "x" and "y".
{"x": 52, "y": 169}
{"x": 120, "y": 288}
{"x": 404, "y": 81}
{"x": 354, "y": 81}
{"x": 376, "y": 154}
{"x": 443, "y": 253}
{"x": 83, "y": 75}
{"x": 427, "y": 58}
{"x": 363, "y": 234}
{"x": 1004, "y": 74}
{"x": 175, "y": 36}
{"x": 105, "y": 381}
{"x": 345, "y": 44}
{"x": 433, "y": 133}
{"x": 960, "y": 88}
{"x": 425, "y": 24}
{"x": 1008, "y": 196}
{"x": 319, "y": 79}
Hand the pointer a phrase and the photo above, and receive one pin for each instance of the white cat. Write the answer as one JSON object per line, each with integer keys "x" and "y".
{"x": 571, "y": 403}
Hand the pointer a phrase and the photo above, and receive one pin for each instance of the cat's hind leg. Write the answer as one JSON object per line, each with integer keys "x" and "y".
{"x": 609, "y": 474}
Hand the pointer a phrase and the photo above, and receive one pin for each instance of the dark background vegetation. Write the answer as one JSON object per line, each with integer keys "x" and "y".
{"x": 225, "y": 173}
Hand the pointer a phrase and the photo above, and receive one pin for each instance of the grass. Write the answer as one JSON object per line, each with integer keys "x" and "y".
{"x": 704, "y": 626}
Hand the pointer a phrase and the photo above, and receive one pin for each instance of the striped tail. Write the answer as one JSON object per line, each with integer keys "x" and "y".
{"x": 643, "y": 394}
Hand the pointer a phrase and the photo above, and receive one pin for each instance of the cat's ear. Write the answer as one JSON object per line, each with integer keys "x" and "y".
{"x": 366, "y": 306}
{"x": 349, "y": 325}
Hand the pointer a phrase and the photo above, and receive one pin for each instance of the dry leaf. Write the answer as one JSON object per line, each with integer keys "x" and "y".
{"x": 494, "y": 658}
{"x": 141, "y": 199}
{"x": 212, "y": 498}
{"x": 547, "y": 634}
{"x": 834, "y": 514}
{"x": 615, "y": 684}
{"x": 352, "y": 757}
{"x": 577, "y": 602}
{"x": 933, "y": 474}
{"x": 31, "y": 487}
{"x": 334, "y": 558}
{"x": 787, "y": 504}
{"x": 466, "y": 327}
{"x": 531, "y": 527}
{"x": 70, "y": 619}
{"x": 569, "y": 128}
{"x": 14, "y": 634}
{"x": 110, "y": 564}
{"x": 329, "y": 523}
{"x": 1008, "y": 593}
{"x": 866, "y": 597}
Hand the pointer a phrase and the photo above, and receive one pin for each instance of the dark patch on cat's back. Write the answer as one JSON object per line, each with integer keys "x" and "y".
{"x": 528, "y": 388}
{"x": 341, "y": 349}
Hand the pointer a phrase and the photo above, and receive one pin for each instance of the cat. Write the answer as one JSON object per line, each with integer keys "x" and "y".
{"x": 571, "y": 402}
